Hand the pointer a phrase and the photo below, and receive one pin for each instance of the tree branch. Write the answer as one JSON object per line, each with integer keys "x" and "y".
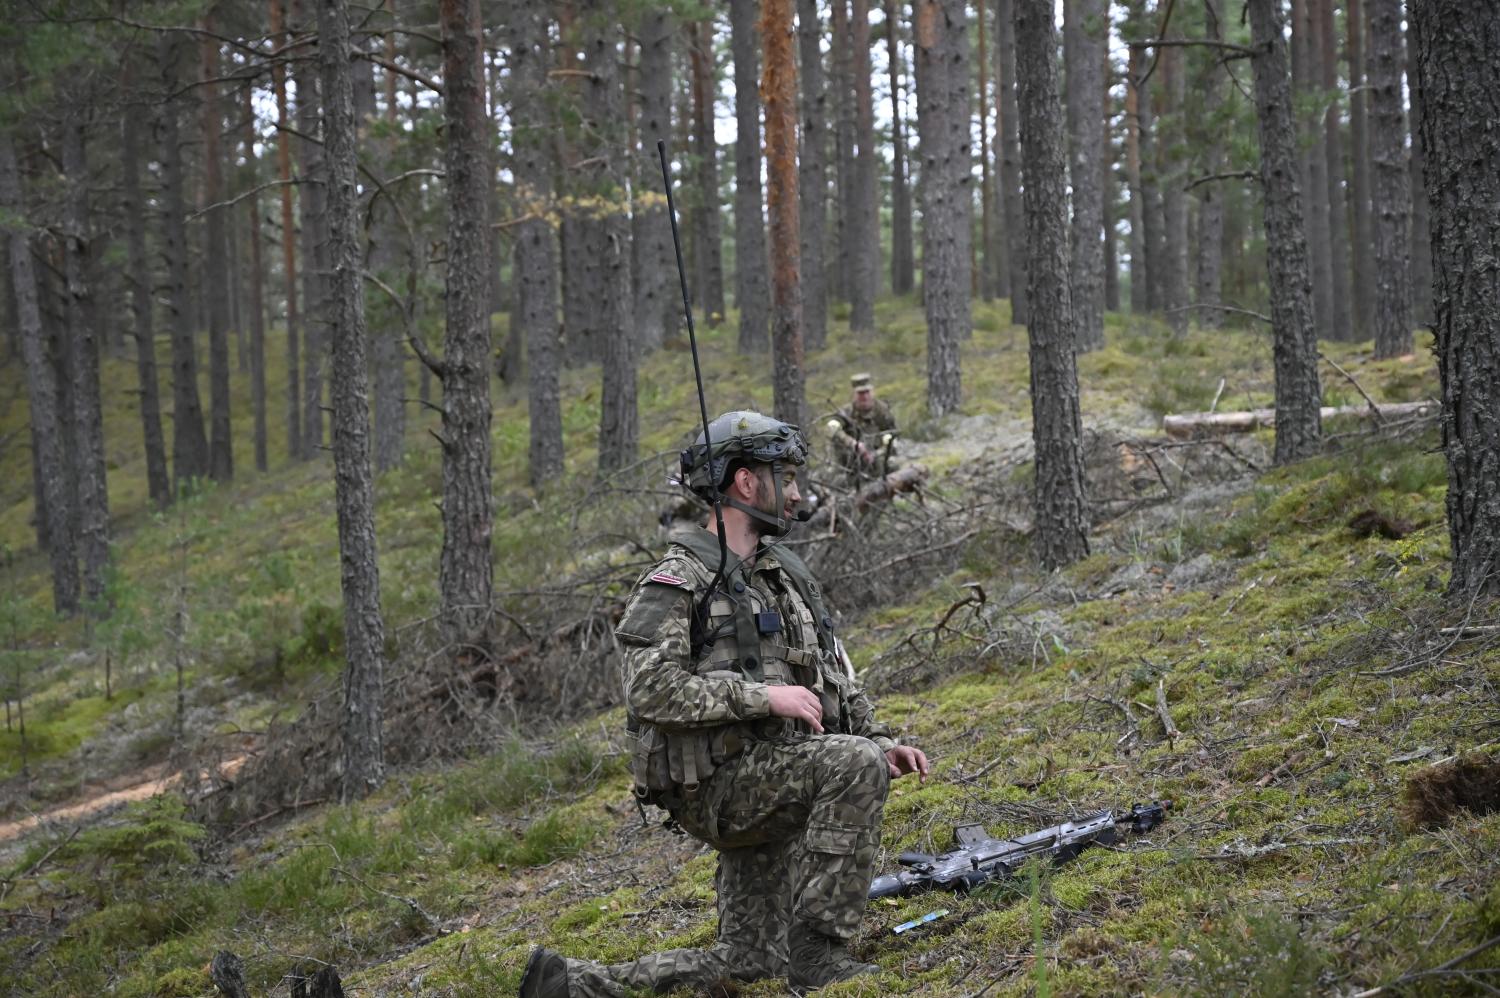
{"x": 248, "y": 194}
{"x": 410, "y": 74}
{"x": 1233, "y": 175}
{"x": 1223, "y": 308}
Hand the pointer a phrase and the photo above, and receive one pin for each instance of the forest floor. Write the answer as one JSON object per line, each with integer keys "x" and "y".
{"x": 1330, "y": 755}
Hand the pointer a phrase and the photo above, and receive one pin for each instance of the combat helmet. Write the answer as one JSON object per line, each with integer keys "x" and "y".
{"x": 746, "y": 436}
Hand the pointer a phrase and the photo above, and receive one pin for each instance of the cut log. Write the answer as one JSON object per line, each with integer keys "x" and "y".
{"x": 227, "y": 971}
{"x": 1196, "y": 424}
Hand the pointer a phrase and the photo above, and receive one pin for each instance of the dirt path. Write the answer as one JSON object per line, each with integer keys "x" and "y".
{"x": 93, "y": 804}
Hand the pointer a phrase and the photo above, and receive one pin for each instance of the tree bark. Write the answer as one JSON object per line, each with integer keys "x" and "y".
{"x": 288, "y": 242}
{"x": 1390, "y": 206}
{"x": 394, "y": 251}
{"x": 1140, "y": 280}
{"x": 536, "y": 240}
{"x": 751, "y": 286}
{"x": 1342, "y": 319}
{"x": 1459, "y": 80}
{"x": 1208, "y": 274}
{"x": 133, "y": 206}
{"x": 1010, "y": 159}
{"x": 465, "y": 575}
{"x": 812, "y": 178}
{"x": 603, "y": 177}
{"x": 841, "y": 69}
{"x": 215, "y": 263}
{"x": 1085, "y": 42}
{"x": 1061, "y": 511}
{"x": 314, "y": 253}
{"x": 1111, "y": 186}
{"x": 903, "y": 252}
{"x": 780, "y": 93}
{"x": 1359, "y": 176}
{"x": 50, "y": 461}
{"x": 1307, "y": 75}
{"x": 189, "y": 443}
{"x": 1421, "y": 210}
{"x": 943, "y": 123}
{"x": 354, "y": 487}
{"x": 255, "y": 300}
{"x": 864, "y": 201}
{"x": 1295, "y": 344}
{"x": 710, "y": 262}
{"x": 1170, "y": 126}
{"x": 987, "y": 228}
{"x": 656, "y": 307}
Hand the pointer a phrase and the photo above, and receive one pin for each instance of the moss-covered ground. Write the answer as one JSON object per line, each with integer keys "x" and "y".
{"x": 1304, "y": 669}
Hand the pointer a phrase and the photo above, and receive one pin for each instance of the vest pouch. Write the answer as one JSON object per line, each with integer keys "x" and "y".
{"x": 648, "y": 761}
{"x": 832, "y": 690}
{"x": 689, "y": 761}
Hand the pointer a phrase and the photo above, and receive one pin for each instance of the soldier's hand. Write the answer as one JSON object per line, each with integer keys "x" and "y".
{"x": 904, "y": 759}
{"x": 798, "y": 703}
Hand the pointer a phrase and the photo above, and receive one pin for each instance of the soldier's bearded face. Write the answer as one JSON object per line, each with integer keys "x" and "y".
{"x": 765, "y": 494}
{"x": 864, "y": 399}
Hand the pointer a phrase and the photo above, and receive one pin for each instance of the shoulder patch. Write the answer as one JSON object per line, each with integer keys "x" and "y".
{"x": 667, "y": 579}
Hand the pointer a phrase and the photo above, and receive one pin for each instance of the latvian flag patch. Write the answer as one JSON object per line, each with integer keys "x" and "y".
{"x": 668, "y": 579}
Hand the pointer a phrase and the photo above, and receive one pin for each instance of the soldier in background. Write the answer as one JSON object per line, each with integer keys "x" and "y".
{"x": 747, "y": 729}
{"x": 863, "y": 433}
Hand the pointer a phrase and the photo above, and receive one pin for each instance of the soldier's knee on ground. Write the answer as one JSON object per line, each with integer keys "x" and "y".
{"x": 858, "y": 760}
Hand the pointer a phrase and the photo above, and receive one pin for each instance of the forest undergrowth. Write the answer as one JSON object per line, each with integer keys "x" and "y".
{"x": 1268, "y": 649}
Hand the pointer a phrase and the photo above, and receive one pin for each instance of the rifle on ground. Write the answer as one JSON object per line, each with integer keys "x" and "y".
{"x": 978, "y": 857}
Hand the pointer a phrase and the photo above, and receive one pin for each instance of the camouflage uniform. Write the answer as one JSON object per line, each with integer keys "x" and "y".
{"x": 795, "y": 815}
{"x": 854, "y": 428}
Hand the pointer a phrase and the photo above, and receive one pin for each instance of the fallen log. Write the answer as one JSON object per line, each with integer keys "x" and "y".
{"x": 897, "y": 482}
{"x": 1194, "y": 424}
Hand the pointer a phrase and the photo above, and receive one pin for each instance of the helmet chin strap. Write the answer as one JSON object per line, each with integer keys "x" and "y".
{"x": 778, "y": 525}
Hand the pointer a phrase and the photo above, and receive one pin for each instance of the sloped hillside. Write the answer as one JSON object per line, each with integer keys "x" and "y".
{"x": 1332, "y": 719}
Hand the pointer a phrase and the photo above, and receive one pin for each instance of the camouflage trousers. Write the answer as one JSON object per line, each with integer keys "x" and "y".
{"x": 797, "y": 826}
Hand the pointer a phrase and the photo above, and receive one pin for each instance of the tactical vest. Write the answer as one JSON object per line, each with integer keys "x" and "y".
{"x": 772, "y": 628}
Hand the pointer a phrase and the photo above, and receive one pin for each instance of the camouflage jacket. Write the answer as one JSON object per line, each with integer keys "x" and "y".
{"x": 857, "y": 427}
{"x": 765, "y": 626}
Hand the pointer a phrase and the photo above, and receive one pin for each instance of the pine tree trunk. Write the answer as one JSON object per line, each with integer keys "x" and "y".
{"x": 1421, "y": 210}
{"x": 255, "y": 300}
{"x": 603, "y": 110}
{"x": 864, "y": 202}
{"x": 288, "y": 243}
{"x": 656, "y": 306}
{"x": 1170, "y": 179}
{"x": 987, "y": 228}
{"x": 393, "y": 252}
{"x": 1459, "y": 80}
{"x": 1307, "y": 75}
{"x": 215, "y": 262}
{"x": 710, "y": 257}
{"x": 812, "y": 178}
{"x": 138, "y": 265}
{"x": 49, "y": 458}
{"x": 841, "y": 59}
{"x": 903, "y": 252}
{"x": 1086, "y": 25}
{"x": 354, "y": 487}
{"x": 943, "y": 124}
{"x": 1107, "y": 156}
{"x": 536, "y": 241}
{"x": 1359, "y": 176}
{"x": 1010, "y": 159}
{"x": 1208, "y": 274}
{"x": 1390, "y": 206}
{"x": 1140, "y": 280}
{"x": 751, "y": 285}
{"x": 1061, "y": 510}
{"x": 1295, "y": 346}
{"x": 1342, "y": 320}
{"x": 776, "y": 32}
{"x": 314, "y": 253}
{"x": 189, "y": 443}
{"x": 465, "y": 572}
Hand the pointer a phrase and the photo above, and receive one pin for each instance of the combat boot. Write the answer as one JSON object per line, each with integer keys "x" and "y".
{"x": 546, "y": 975}
{"x": 818, "y": 959}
